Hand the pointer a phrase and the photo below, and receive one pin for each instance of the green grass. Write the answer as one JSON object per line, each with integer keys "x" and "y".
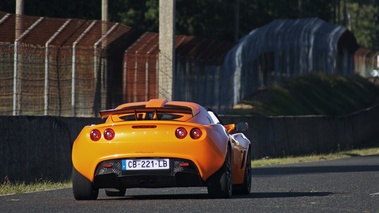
{"x": 313, "y": 94}
{"x": 312, "y": 158}
{"x": 7, "y": 187}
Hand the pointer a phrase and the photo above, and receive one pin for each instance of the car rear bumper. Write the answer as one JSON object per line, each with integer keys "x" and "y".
{"x": 182, "y": 173}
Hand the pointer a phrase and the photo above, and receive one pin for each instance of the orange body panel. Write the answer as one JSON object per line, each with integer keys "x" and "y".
{"x": 207, "y": 153}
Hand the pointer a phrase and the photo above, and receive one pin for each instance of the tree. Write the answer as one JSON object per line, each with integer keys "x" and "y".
{"x": 139, "y": 14}
{"x": 83, "y": 9}
{"x": 215, "y": 19}
{"x": 362, "y": 19}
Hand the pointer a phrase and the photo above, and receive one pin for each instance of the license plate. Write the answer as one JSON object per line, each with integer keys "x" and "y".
{"x": 145, "y": 164}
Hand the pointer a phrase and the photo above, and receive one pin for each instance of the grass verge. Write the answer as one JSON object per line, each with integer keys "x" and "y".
{"x": 311, "y": 158}
{"x": 7, "y": 187}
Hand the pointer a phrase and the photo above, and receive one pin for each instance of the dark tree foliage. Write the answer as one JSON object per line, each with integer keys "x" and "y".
{"x": 261, "y": 12}
{"x": 82, "y": 9}
{"x": 208, "y": 18}
{"x": 215, "y": 19}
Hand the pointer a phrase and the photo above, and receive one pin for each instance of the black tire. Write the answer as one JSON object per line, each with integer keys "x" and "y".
{"x": 220, "y": 184}
{"x": 83, "y": 188}
{"x": 115, "y": 192}
{"x": 245, "y": 188}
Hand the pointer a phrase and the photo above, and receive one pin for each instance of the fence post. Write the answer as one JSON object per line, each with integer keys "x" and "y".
{"x": 73, "y": 74}
{"x": 17, "y": 85}
{"x": 18, "y": 32}
{"x": 47, "y": 67}
{"x": 166, "y": 47}
{"x": 103, "y": 41}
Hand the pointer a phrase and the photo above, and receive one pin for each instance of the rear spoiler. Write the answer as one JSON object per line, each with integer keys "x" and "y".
{"x": 182, "y": 110}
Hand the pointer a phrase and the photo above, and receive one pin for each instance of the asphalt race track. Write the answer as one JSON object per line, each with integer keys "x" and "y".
{"x": 345, "y": 185}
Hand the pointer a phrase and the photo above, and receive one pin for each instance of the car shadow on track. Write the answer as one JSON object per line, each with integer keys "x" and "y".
{"x": 205, "y": 196}
{"x": 158, "y": 197}
{"x": 287, "y": 194}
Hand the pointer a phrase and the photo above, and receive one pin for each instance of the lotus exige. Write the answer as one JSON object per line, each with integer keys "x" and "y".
{"x": 161, "y": 143}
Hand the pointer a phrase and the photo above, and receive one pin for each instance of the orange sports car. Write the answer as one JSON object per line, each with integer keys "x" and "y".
{"x": 161, "y": 143}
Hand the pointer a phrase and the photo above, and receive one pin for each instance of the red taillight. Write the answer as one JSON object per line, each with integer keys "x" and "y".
{"x": 109, "y": 134}
{"x": 184, "y": 164}
{"x": 95, "y": 135}
{"x": 196, "y": 133}
{"x": 181, "y": 132}
{"x": 108, "y": 165}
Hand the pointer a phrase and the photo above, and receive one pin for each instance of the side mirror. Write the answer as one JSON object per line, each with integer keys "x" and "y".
{"x": 241, "y": 126}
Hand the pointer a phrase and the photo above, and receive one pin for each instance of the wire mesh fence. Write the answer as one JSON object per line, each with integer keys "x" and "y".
{"x": 197, "y": 75}
{"x": 71, "y": 67}
{"x": 141, "y": 69}
{"x": 58, "y": 67}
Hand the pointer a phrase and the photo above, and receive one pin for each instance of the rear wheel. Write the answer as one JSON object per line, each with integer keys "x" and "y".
{"x": 115, "y": 192}
{"x": 244, "y": 189}
{"x": 83, "y": 188}
{"x": 220, "y": 184}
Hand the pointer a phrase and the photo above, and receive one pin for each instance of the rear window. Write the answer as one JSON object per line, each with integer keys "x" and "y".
{"x": 150, "y": 116}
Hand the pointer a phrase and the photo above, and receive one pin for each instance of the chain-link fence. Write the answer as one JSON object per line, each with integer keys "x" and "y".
{"x": 71, "y": 67}
{"x": 59, "y": 67}
{"x": 219, "y": 74}
{"x": 197, "y": 75}
{"x": 140, "y": 69}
